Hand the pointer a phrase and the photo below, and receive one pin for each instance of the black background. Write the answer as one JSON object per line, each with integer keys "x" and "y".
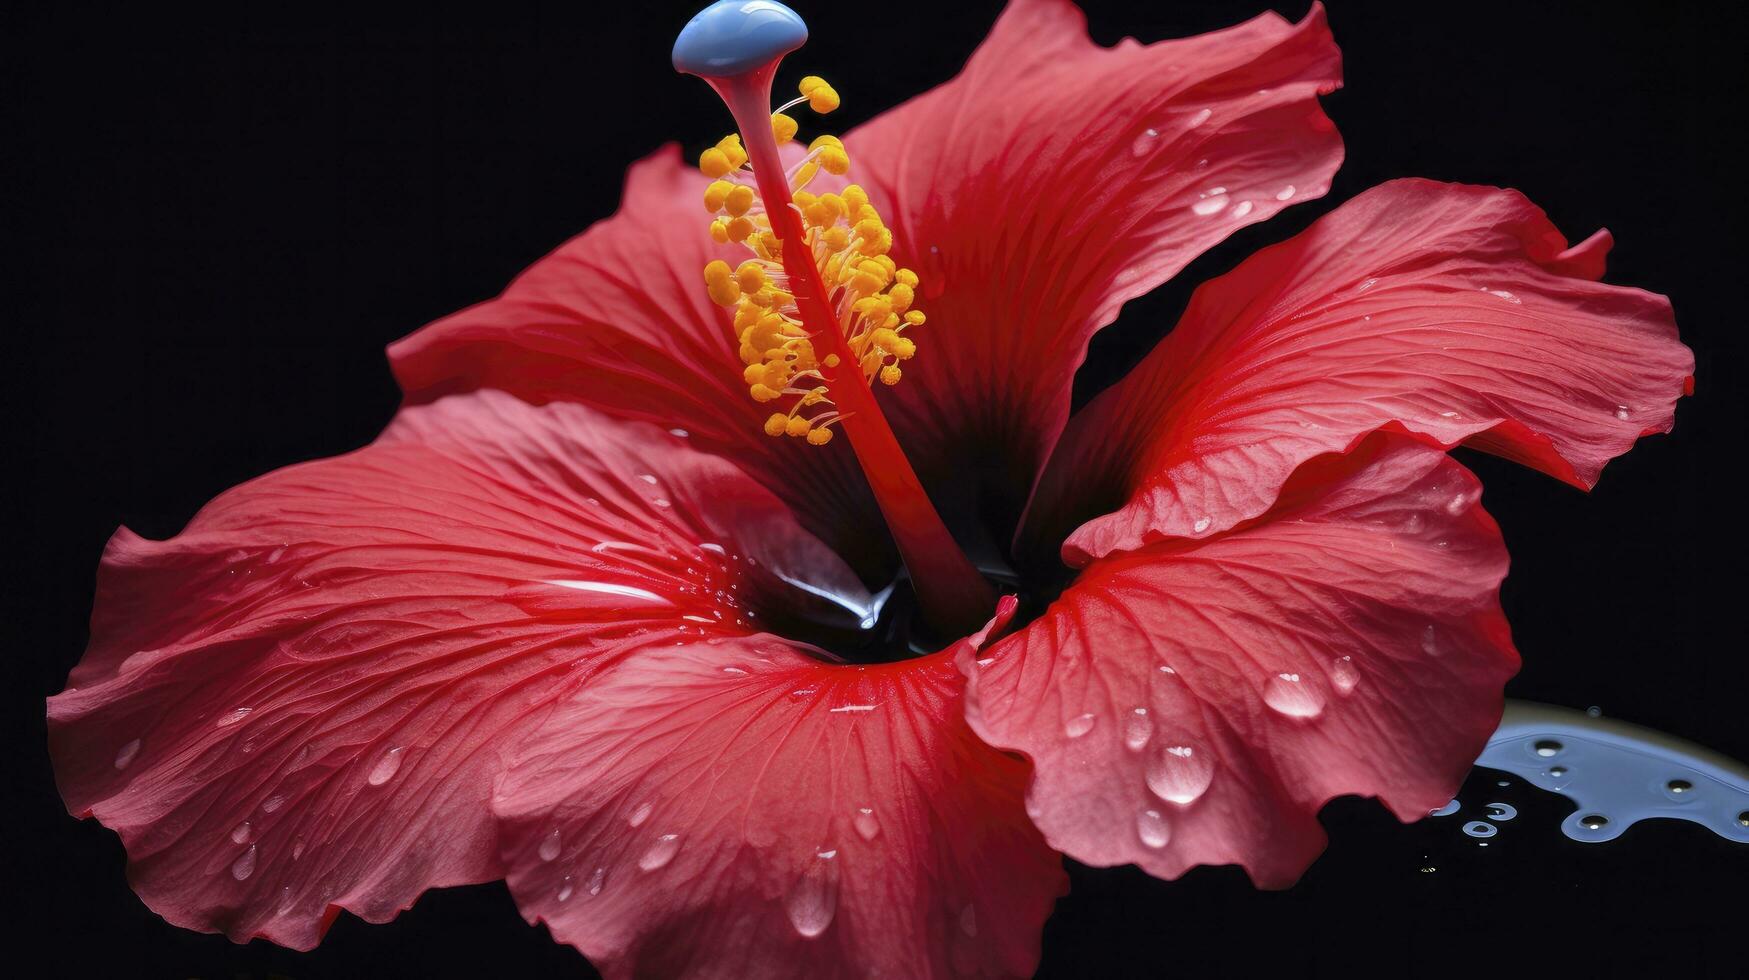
{"x": 218, "y": 219}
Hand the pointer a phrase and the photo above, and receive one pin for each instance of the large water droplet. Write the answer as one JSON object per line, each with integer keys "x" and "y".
{"x": 1242, "y": 209}
{"x": 272, "y": 803}
{"x": 1344, "y": 675}
{"x": 1078, "y": 726}
{"x": 386, "y": 767}
{"x": 1291, "y": 696}
{"x": 1285, "y": 194}
{"x": 660, "y": 852}
{"x": 1145, "y": 143}
{"x": 244, "y": 866}
{"x": 241, "y": 833}
{"x": 1152, "y": 829}
{"x": 1179, "y": 774}
{"x": 1137, "y": 730}
{"x": 1447, "y": 810}
{"x": 1210, "y": 205}
{"x": 126, "y": 754}
{"x": 1501, "y": 812}
{"x": 1547, "y": 748}
{"x": 1594, "y": 821}
{"x": 549, "y": 845}
{"x": 1201, "y": 525}
{"x": 867, "y": 827}
{"x": 813, "y": 900}
{"x": 1480, "y": 828}
{"x": 565, "y": 889}
{"x": 1621, "y": 412}
{"x": 640, "y": 814}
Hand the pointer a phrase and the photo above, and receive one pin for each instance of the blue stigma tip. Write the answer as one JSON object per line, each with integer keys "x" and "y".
{"x": 732, "y": 37}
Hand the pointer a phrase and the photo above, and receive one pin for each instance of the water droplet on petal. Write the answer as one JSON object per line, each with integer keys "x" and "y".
{"x": 1137, "y": 730}
{"x": 1145, "y": 143}
{"x": 867, "y": 827}
{"x": 1480, "y": 828}
{"x": 1152, "y": 829}
{"x": 1179, "y": 774}
{"x": 1548, "y": 748}
{"x": 1210, "y": 205}
{"x": 565, "y": 889}
{"x": 1242, "y": 209}
{"x": 272, "y": 803}
{"x": 1078, "y": 726}
{"x": 679, "y": 433}
{"x": 1201, "y": 117}
{"x": 813, "y": 900}
{"x": 126, "y": 754}
{"x": 734, "y": 671}
{"x": 1291, "y": 696}
{"x": 242, "y": 833}
{"x": 1503, "y": 294}
{"x": 649, "y": 478}
{"x": 386, "y": 767}
{"x": 549, "y": 846}
{"x": 297, "y": 848}
{"x": 1285, "y": 194}
{"x": 234, "y": 716}
{"x": 1594, "y": 821}
{"x": 1366, "y": 284}
{"x": 969, "y": 921}
{"x": 640, "y": 814}
{"x": 244, "y": 866}
{"x": 1430, "y": 641}
{"x": 1621, "y": 412}
{"x": 1201, "y": 525}
{"x": 597, "y": 881}
{"x": 660, "y": 852}
{"x": 1344, "y": 675}
{"x": 1447, "y": 810}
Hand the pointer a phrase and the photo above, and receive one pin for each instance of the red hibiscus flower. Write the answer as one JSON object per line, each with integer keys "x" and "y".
{"x": 610, "y": 613}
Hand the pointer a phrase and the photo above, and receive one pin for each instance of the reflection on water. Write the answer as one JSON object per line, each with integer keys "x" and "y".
{"x": 1618, "y": 774}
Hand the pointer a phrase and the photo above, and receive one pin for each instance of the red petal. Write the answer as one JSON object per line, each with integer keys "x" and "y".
{"x": 618, "y": 319}
{"x": 1454, "y": 313}
{"x": 740, "y": 810}
{"x": 300, "y": 703}
{"x": 1054, "y": 180}
{"x": 1198, "y": 701}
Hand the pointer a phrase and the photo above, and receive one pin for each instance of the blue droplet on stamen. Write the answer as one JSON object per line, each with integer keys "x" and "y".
{"x": 732, "y": 37}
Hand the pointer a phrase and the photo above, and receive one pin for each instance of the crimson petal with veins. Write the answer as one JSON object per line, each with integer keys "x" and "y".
{"x": 732, "y": 809}
{"x": 300, "y": 703}
{"x": 1454, "y": 313}
{"x": 1197, "y": 701}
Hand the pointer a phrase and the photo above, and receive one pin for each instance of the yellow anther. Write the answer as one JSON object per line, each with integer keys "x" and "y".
{"x": 809, "y": 83}
{"x": 725, "y": 293}
{"x": 783, "y": 127}
{"x": 905, "y": 349}
{"x": 750, "y": 354}
{"x": 776, "y": 424}
{"x": 885, "y": 339}
{"x": 837, "y": 238}
{"x": 819, "y": 214}
{"x": 822, "y": 98}
{"x": 855, "y": 198}
{"x": 716, "y": 270}
{"x": 902, "y": 296}
{"x": 798, "y": 426}
{"x": 907, "y": 277}
{"x": 750, "y": 275}
{"x": 715, "y": 194}
{"x": 720, "y": 232}
{"x": 880, "y": 245}
{"x": 714, "y": 163}
{"x": 761, "y": 393}
{"x": 865, "y": 282}
{"x": 915, "y": 318}
{"x": 813, "y": 397}
{"x": 741, "y": 228}
{"x": 832, "y": 360}
{"x": 771, "y": 243}
{"x": 869, "y": 229}
{"x": 819, "y": 437}
{"x": 738, "y": 200}
{"x": 835, "y": 161}
{"x": 754, "y": 374}
{"x": 890, "y": 374}
{"x": 732, "y": 150}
